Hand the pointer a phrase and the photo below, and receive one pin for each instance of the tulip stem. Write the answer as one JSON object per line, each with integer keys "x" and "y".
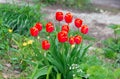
{"x": 62, "y": 48}
{"x": 78, "y": 30}
{"x": 81, "y": 47}
{"x": 59, "y": 26}
{"x": 59, "y": 23}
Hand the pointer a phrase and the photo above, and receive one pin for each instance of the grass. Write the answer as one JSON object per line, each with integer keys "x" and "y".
{"x": 20, "y": 17}
{"x": 74, "y": 4}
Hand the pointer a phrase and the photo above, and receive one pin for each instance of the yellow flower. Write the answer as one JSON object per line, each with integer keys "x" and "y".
{"x": 10, "y": 30}
{"x": 72, "y": 46}
{"x": 24, "y": 44}
{"x": 30, "y": 42}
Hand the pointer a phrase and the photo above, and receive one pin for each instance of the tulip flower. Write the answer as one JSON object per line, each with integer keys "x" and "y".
{"x": 68, "y": 18}
{"x": 45, "y": 44}
{"x": 78, "y": 22}
{"x": 84, "y": 29}
{"x": 71, "y": 40}
{"x": 49, "y": 27}
{"x": 34, "y": 31}
{"x": 65, "y": 28}
{"x": 38, "y": 26}
{"x": 78, "y": 39}
{"x": 62, "y": 36}
{"x": 59, "y": 16}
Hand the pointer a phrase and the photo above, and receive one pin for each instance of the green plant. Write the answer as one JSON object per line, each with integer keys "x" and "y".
{"x": 93, "y": 68}
{"x": 20, "y": 17}
{"x": 87, "y": 62}
{"x": 100, "y": 72}
{"x": 1, "y": 67}
{"x": 58, "y": 56}
{"x": 112, "y": 45}
{"x": 5, "y": 39}
{"x": 117, "y": 73}
{"x": 22, "y": 54}
{"x": 69, "y": 3}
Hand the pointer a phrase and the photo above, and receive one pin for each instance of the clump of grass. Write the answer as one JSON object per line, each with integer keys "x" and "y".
{"x": 79, "y": 4}
{"x": 111, "y": 46}
{"x": 20, "y": 17}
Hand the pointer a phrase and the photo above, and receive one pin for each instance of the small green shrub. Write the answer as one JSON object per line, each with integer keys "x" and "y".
{"x": 112, "y": 45}
{"x": 109, "y": 53}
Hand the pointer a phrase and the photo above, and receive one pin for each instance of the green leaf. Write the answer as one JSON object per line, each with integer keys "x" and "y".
{"x": 117, "y": 31}
{"x": 87, "y": 37}
{"x": 77, "y": 78}
{"x": 55, "y": 63}
{"x": 48, "y": 73}
{"x": 1, "y": 67}
{"x": 85, "y": 51}
{"x": 13, "y": 50}
{"x": 39, "y": 72}
{"x": 70, "y": 75}
{"x": 113, "y": 26}
{"x": 58, "y": 76}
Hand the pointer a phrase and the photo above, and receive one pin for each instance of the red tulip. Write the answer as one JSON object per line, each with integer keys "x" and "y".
{"x": 59, "y": 16}
{"x": 34, "y": 31}
{"x": 49, "y": 27}
{"x": 38, "y": 26}
{"x": 78, "y": 22}
{"x": 68, "y": 18}
{"x": 45, "y": 45}
{"x": 65, "y": 28}
{"x": 62, "y": 36}
{"x": 84, "y": 29}
{"x": 71, "y": 40}
{"x": 78, "y": 39}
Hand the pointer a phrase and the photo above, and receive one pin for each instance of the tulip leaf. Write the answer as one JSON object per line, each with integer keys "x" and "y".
{"x": 48, "y": 73}
{"x": 58, "y": 76}
{"x": 39, "y": 72}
